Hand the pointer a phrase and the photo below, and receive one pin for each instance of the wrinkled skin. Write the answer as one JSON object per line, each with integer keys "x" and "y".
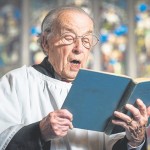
{"x": 57, "y": 123}
{"x": 61, "y": 55}
{"x": 135, "y": 131}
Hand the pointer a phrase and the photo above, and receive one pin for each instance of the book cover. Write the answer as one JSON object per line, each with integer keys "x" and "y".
{"x": 94, "y": 96}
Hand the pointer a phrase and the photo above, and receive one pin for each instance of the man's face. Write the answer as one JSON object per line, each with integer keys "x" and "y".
{"x": 68, "y": 59}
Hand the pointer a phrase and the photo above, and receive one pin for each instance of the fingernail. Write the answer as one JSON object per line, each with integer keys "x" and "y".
{"x": 127, "y": 105}
{"x": 71, "y": 126}
{"x": 115, "y": 112}
{"x": 139, "y": 100}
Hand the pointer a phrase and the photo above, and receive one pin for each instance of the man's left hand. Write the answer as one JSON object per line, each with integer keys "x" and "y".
{"x": 135, "y": 127}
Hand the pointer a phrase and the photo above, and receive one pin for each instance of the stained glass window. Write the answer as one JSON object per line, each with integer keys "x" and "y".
{"x": 10, "y": 31}
{"x": 142, "y": 31}
{"x": 113, "y": 35}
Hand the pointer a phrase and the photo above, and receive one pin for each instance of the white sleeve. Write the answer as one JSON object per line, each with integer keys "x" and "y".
{"x": 10, "y": 119}
{"x": 110, "y": 140}
{"x": 136, "y": 148}
{"x": 7, "y": 135}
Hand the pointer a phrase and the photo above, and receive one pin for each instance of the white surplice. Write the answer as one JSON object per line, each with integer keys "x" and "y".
{"x": 26, "y": 96}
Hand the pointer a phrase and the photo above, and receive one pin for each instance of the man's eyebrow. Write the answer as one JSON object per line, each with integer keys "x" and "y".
{"x": 71, "y": 30}
{"x": 68, "y": 29}
{"x": 90, "y": 31}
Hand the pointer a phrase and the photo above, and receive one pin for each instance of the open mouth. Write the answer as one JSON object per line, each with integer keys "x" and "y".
{"x": 76, "y": 62}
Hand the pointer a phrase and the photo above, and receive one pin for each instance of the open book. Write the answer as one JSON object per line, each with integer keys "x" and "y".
{"x": 94, "y": 96}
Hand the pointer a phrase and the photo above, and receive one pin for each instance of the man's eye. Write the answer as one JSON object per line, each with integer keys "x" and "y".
{"x": 86, "y": 40}
{"x": 68, "y": 37}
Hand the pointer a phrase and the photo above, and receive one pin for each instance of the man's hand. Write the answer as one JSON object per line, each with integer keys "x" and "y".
{"x": 135, "y": 127}
{"x": 56, "y": 124}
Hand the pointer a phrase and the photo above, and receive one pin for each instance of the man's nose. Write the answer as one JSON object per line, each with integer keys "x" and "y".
{"x": 78, "y": 48}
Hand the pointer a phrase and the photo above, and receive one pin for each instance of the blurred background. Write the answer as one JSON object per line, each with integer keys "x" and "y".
{"x": 122, "y": 26}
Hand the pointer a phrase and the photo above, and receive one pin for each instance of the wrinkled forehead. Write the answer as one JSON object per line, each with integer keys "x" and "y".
{"x": 76, "y": 22}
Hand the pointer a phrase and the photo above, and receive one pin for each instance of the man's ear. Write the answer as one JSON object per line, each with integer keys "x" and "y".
{"x": 44, "y": 42}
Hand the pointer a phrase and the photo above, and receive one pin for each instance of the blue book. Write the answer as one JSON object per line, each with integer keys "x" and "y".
{"x": 94, "y": 96}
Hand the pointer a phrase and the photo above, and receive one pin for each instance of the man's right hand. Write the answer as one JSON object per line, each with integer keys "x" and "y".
{"x": 56, "y": 124}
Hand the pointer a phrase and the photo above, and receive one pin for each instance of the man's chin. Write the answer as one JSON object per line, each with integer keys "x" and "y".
{"x": 67, "y": 80}
{"x": 70, "y": 76}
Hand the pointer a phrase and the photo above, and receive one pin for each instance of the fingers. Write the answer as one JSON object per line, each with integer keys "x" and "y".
{"x": 64, "y": 113}
{"x": 122, "y": 116}
{"x": 62, "y": 117}
{"x": 135, "y": 127}
{"x": 148, "y": 111}
{"x": 140, "y": 113}
{"x": 135, "y": 111}
{"x": 56, "y": 124}
{"x": 141, "y": 107}
{"x": 62, "y": 122}
{"x": 141, "y": 110}
{"x": 120, "y": 123}
{"x": 124, "y": 120}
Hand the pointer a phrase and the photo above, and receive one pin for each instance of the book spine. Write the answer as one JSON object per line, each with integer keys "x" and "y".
{"x": 120, "y": 107}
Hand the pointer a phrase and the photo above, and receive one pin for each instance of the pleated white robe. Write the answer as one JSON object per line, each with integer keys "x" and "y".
{"x": 26, "y": 96}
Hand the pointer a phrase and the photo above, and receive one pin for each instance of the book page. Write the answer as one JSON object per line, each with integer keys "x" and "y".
{"x": 138, "y": 80}
{"x": 142, "y": 91}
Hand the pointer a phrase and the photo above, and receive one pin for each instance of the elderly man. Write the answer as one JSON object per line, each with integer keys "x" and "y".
{"x": 31, "y": 117}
